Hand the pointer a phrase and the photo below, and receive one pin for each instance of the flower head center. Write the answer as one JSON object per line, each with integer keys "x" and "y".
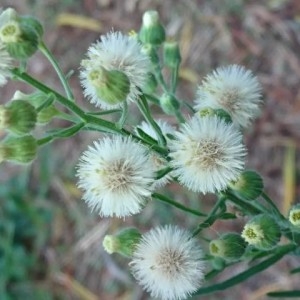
{"x": 229, "y": 99}
{"x": 207, "y": 154}
{"x": 214, "y": 248}
{"x": 296, "y": 216}
{"x": 10, "y": 32}
{"x": 253, "y": 233}
{"x": 117, "y": 175}
{"x": 170, "y": 262}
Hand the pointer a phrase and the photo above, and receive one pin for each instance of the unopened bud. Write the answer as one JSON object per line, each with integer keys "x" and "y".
{"x": 123, "y": 242}
{"x": 150, "y": 85}
{"x": 220, "y": 113}
{"x": 112, "y": 87}
{"x": 169, "y": 104}
{"x": 262, "y": 232}
{"x": 152, "y": 32}
{"x": 150, "y": 51}
{"x": 38, "y": 100}
{"x": 294, "y": 215}
{"x": 18, "y": 116}
{"x": 229, "y": 246}
{"x": 249, "y": 185}
{"x": 172, "y": 56}
{"x": 21, "y": 149}
{"x": 19, "y": 34}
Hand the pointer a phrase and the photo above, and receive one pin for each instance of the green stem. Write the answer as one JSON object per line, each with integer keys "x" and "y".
{"x": 174, "y": 81}
{"x": 123, "y": 117}
{"x": 179, "y": 116}
{"x": 152, "y": 99}
{"x": 67, "y": 117}
{"x": 245, "y": 205}
{"x": 159, "y": 77}
{"x": 259, "y": 267}
{"x": 91, "y": 121}
{"x": 211, "y": 218}
{"x": 272, "y": 204}
{"x": 45, "y": 89}
{"x": 177, "y": 205}
{"x": 144, "y": 108}
{"x": 64, "y": 133}
{"x": 43, "y": 48}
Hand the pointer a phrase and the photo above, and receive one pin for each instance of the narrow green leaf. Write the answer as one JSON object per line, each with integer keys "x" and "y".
{"x": 227, "y": 216}
{"x": 146, "y": 137}
{"x": 280, "y": 252}
{"x": 104, "y": 112}
{"x": 165, "y": 199}
{"x": 297, "y": 270}
{"x": 286, "y": 294}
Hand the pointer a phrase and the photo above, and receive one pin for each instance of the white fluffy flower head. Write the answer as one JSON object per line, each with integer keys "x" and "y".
{"x": 207, "y": 154}
{"x": 116, "y": 176}
{"x": 168, "y": 263}
{"x": 234, "y": 89}
{"x": 115, "y": 51}
{"x": 5, "y": 64}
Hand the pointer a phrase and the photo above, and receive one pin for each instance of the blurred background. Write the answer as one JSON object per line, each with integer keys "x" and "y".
{"x": 50, "y": 243}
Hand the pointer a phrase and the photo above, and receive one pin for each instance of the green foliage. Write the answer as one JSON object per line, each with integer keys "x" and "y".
{"x": 24, "y": 230}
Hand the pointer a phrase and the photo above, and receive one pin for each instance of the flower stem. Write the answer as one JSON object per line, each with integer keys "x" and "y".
{"x": 144, "y": 108}
{"x": 92, "y": 122}
{"x": 123, "y": 117}
{"x": 245, "y": 205}
{"x": 272, "y": 204}
{"x": 177, "y": 205}
{"x": 43, "y": 48}
{"x": 211, "y": 218}
{"x": 64, "y": 133}
{"x": 174, "y": 81}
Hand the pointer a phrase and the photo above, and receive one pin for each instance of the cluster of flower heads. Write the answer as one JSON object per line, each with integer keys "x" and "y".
{"x": 206, "y": 154}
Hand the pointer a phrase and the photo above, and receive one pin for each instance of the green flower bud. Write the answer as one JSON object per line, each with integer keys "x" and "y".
{"x": 262, "y": 232}
{"x": 123, "y": 242}
{"x": 222, "y": 114}
{"x": 294, "y": 215}
{"x": 111, "y": 86}
{"x": 172, "y": 57}
{"x": 38, "y": 100}
{"x": 46, "y": 114}
{"x": 169, "y": 104}
{"x": 229, "y": 246}
{"x": 18, "y": 116}
{"x": 218, "y": 263}
{"x": 206, "y": 112}
{"x": 151, "y": 52}
{"x": 21, "y": 149}
{"x": 249, "y": 185}
{"x": 150, "y": 85}
{"x": 34, "y": 24}
{"x": 152, "y": 32}
{"x": 19, "y": 34}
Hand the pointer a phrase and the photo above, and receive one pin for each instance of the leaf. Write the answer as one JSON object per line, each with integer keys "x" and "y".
{"x": 286, "y": 294}
{"x": 146, "y": 137}
{"x": 294, "y": 271}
